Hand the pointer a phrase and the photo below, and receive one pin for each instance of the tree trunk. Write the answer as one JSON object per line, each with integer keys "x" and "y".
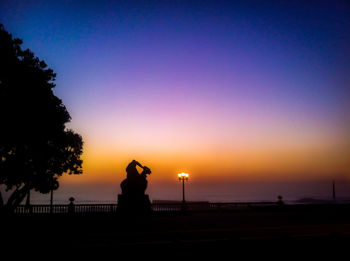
{"x": 16, "y": 198}
{"x": 1, "y": 201}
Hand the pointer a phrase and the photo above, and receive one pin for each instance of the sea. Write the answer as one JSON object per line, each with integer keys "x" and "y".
{"x": 291, "y": 191}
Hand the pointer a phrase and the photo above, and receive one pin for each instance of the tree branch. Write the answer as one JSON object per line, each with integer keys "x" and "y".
{"x": 17, "y": 197}
{"x": 1, "y": 200}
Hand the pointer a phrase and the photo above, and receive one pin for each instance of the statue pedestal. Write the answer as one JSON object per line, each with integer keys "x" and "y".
{"x": 134, "y": 204}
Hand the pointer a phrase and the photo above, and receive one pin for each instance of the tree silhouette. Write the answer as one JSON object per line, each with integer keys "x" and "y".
{"x": 36, "y": 148}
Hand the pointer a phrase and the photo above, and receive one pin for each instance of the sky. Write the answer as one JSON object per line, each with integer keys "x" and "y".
{"x": 248, "y": 97}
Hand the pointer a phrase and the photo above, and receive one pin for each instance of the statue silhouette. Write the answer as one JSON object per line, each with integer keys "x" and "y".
{"x": 133, "y": 197}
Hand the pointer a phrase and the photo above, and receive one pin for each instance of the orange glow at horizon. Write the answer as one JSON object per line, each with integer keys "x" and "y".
{"x": 216, "y": 162}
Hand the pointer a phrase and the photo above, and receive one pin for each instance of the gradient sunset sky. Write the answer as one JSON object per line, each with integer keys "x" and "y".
{"x": 228, "y": 91}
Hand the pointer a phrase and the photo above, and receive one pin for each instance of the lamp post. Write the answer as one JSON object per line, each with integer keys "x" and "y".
{"x": 182, "y": 178}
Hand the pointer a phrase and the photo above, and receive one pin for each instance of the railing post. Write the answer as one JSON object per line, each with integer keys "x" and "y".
{"x": 71, "y": 206}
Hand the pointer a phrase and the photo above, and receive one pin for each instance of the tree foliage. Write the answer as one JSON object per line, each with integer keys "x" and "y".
{"x": 36, "y": 148}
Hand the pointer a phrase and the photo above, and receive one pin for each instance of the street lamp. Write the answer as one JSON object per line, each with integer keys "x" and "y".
{"x": 183, "y": 177}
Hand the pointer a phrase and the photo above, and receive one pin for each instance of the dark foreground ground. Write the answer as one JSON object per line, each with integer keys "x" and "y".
{"x": 291, "y": 229}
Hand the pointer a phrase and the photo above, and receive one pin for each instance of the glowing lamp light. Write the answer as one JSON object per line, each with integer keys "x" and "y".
{"x": 183, "y": 176}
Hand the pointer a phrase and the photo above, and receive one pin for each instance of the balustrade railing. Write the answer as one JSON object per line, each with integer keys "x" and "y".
{"x": 156, "y": 207}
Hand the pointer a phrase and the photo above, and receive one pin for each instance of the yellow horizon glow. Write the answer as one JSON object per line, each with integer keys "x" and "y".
{"x": 237, "y": 165}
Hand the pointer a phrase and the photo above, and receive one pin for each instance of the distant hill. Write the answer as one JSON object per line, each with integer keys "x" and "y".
{"x": 175, "y": 201}
{"x": 313, "y": 201}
